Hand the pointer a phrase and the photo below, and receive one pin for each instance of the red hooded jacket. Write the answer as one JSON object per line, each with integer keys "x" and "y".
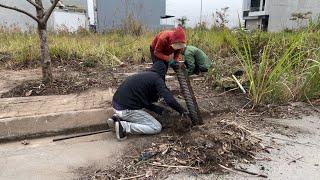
{"x": 161, "y": 44}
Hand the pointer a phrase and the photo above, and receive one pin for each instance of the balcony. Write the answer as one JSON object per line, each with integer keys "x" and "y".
{"x": 257, "y": 13}
{"x": 254, "y": 9}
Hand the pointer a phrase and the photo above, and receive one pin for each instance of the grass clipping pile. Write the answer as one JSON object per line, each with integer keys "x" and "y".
{"x": 205, "y": 149}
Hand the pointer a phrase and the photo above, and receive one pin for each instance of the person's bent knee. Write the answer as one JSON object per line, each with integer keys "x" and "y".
{"x": 157, "y": 129}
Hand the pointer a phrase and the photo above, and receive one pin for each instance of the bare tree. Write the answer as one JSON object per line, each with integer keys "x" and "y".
{"x": 41, "y": 18}
{"x": 221, "y": 18}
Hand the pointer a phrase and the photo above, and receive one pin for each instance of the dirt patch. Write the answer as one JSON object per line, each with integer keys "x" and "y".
{"x": 72, "y": 79}
{"x": 62, "y": 85}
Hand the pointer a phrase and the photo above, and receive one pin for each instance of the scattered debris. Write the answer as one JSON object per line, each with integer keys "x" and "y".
{"x": 25, "y": 142}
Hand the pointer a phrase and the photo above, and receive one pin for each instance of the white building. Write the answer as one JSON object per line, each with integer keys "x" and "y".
{"x": 277, "y": 15}
{"x": 72, "y": 17}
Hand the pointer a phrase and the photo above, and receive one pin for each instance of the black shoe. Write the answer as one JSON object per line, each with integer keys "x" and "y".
{"x": 120, "y": 131}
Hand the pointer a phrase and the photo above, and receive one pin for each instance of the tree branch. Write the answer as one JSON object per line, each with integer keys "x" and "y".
{"x": 34, "y": 4}
{"x": 49, "y": 11}
{"x": 21, "y": 11}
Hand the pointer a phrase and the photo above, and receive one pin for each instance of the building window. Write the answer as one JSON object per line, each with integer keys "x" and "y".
{"x": 245, "y": 13}
{"x": 255, "y": 5}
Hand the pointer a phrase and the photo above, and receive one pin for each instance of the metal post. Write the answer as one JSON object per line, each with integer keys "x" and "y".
{"x": 201, "y": 14}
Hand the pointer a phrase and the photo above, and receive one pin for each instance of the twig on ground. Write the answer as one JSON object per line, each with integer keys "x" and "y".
{"x": 293, "y": 141}
{"x": 235, "y": 170}
{"x": 295, "y": 160}
{"x": 227, "y": 92}
{"x": 171, "y": 166}
{"x": 251, "y": 173}
{"x": 246, "y": 105}
{"x": 316, "y": 109}
{"x": 133, "y": 177}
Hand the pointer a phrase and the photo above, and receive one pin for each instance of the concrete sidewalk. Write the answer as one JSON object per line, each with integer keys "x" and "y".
{"x": 29, "y": 116}
{"x": 44, "y": 159}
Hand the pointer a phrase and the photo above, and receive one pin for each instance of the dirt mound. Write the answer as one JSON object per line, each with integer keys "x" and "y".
{"x": 203, "y": 150}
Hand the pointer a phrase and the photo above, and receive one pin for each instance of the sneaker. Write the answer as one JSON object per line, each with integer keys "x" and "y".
{"x": 111, "y": 121}
{"x": 120, "y": 131}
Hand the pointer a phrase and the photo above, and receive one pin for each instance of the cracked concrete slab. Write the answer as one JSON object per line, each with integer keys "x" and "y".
{"x": 25, "y": 116}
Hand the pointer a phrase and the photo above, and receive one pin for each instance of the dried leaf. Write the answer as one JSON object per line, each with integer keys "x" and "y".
{"x": 149, "y": 173}
{"x": 29, "y": 93}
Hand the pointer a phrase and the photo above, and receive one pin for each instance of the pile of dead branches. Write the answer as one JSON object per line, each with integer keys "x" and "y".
{"x": 203, "y": 150}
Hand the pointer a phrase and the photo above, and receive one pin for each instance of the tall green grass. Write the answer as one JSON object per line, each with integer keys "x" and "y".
{"x": 280, "y": 70}
{"x": 108, "y": 49}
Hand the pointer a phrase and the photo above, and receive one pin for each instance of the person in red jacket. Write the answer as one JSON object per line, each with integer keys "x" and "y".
{"x": 167, "y": 46}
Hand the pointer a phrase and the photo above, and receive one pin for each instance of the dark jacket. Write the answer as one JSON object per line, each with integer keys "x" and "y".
{"x": 142, "y": 90}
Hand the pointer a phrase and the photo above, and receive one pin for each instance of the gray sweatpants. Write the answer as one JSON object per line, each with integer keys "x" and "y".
{"x": 138, "y": 122}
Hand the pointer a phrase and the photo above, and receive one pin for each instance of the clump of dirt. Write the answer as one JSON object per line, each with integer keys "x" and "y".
{"x": 205, "y": 149}
{"x": 182, "y": 125}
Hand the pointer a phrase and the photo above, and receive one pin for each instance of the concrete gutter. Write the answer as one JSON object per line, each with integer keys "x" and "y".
{"x": 53, "y": 124}
{"x": 28, "y": 117}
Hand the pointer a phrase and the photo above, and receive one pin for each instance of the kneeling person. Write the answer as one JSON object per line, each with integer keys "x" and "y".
{"x": 136, "y": 93}
{"x": 196, "y": 60}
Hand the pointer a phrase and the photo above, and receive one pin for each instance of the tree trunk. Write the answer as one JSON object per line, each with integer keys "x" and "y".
{"x": 45, "y": 55}
{"x": 44, "y": 48}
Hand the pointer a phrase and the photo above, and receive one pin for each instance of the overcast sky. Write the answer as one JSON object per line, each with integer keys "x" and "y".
{"x": 191, "y": 9}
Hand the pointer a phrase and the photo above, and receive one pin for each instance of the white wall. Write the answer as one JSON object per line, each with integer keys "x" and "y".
{"x": 253, "y": 24}
{"x": 280, "y": 12}
{"x": 91, "y": 12}
{"x": 12, "y": 18}
{"x": 246, "y": 5}
{"x": 70, "y": 21}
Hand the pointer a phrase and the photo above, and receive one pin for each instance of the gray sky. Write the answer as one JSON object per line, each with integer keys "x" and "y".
{"x": 191, "y": 9}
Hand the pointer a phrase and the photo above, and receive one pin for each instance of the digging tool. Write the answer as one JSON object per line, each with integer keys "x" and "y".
{"x": 81, "y": 135}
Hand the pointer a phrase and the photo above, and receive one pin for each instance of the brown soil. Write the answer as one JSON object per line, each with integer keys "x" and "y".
{"x": 72, "y": 79}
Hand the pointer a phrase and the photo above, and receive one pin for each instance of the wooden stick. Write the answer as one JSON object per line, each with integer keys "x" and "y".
{"x": 239, "y": 84}
{"x": 81, "y": 135}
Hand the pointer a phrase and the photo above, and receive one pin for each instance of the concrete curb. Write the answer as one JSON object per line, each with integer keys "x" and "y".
{"x": 58, "y": 123}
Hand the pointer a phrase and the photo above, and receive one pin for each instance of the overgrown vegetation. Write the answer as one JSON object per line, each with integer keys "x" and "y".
{"x": 280, "y": 67}
{"x": 110, "y": 49}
